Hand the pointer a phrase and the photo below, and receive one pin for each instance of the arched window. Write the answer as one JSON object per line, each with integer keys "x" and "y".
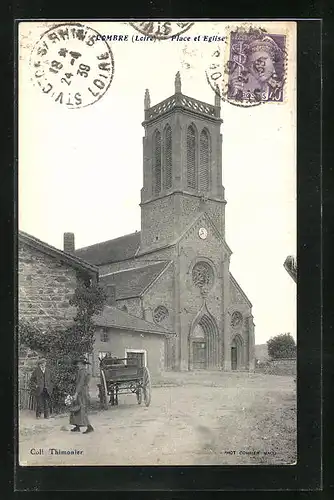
{"x": 202, "y": 274}
{"x": 204, "y": 165}
{"x": 191, "y": 158}
{"x": 160, "y": 313}
{"x": 168, "y": 157}
{"x": 157, "y": 163}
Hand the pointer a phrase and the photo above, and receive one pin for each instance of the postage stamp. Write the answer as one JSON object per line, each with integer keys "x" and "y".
{"x": 253, "y": 70}
{"x": 161, "y": 30}
{"x": 71, "y": 65}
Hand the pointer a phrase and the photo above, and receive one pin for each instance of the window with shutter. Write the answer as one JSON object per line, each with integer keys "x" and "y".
{"x": 168, "y": 157}
{"x": 157, "y": 163}
{"x": 204, "y": 170}
{"x": 191, "y": 157}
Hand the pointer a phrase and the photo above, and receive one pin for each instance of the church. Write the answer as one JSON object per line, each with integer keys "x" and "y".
{"x": 174, "y": 272}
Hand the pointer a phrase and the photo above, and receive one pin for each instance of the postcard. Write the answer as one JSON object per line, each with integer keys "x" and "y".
{"x": 157, "y": 243}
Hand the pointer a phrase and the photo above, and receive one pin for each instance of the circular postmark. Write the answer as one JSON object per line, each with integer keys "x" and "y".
{"x": 249, "y": 68}
{"x": 161, "y": 30}
{"x": 72, "y": 65}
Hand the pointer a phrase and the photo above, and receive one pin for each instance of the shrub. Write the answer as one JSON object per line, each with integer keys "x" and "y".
{"x": 61, "y": 346}
{"x": 282, "y": 346}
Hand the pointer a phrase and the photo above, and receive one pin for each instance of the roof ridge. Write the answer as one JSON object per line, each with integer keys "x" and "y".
{"x": 68, "y": 256}
{"x": 126, "y": 313}
{"x": 154, "y": 263}
{"x": 154, "y": 280}
{"x": 158, "y": 328}
{"x": 133, "y": 282}
{"x": 108, "y": 241}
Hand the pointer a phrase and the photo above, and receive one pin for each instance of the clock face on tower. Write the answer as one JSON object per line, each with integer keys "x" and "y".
{"x": 202, "y": 233}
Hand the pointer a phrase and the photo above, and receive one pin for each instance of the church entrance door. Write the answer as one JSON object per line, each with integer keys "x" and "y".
{"x": 203, "y": 344}
{"x": 199, "y": 355}
{"x": 237, "y": 348}
{"x": 234, "y": 357}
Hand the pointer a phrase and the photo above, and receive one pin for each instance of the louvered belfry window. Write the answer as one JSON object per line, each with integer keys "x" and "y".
{"x": 168, "y": 157}
{"x": 157, "y": 163}
{"x": 191, "y": 158}
{"x": 204, "y": 170}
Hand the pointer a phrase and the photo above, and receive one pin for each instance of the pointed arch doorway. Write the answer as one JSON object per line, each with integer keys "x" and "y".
{"x": 236, "y": 353}
{"x": 203, "y": 344}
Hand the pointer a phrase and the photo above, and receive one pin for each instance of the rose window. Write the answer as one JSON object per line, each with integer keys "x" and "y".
{"x": 202, "y": 275}
{"x": 236, "y": 318}
{"x": 160, "y": 313}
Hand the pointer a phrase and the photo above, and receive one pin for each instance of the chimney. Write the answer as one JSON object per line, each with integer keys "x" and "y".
{"x": 111, "y": 295}
{"x": 69, "y": 245}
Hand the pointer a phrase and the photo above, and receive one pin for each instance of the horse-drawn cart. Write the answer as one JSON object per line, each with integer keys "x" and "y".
{"x": 119, "y": 376}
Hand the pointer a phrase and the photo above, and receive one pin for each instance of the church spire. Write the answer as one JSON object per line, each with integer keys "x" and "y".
{"x": 177, "y": 83}
{"x": 147, "y": 99}
{"x": 217, "y": 96}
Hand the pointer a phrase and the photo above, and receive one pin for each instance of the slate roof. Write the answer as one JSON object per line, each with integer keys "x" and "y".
{"x": 115, "y": 318}
{"x": 133, "y": 282}
{"x": 128, "y": 247}
{"x": 116, "y": 250}
{"x": 72, "y": 260}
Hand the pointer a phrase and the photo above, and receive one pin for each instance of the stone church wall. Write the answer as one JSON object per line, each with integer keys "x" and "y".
{"x": 193, "y": 250}
{"x": 238, "y": 303}
{"x": 161, "y": 293}
{"x": 192, "y": 206}
{"x": 133, "y": 306}
{"x": 158, "y": 222}
{"x": 216, "y": 212}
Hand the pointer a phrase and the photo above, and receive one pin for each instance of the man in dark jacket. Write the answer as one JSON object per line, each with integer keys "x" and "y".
{"x": 42, "y": 387}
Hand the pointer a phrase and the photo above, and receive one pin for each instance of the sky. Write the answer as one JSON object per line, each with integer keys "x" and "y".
{"x": 80, "y": 170}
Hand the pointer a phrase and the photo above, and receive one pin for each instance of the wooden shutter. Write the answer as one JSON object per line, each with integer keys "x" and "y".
{"x": 157, "y": 163}
{"x": 191, "y": 158}
{"x": 204, "y": 170}
{"x": 168, "y": 157}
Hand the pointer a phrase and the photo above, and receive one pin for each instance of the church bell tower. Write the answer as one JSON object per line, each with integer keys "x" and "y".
{"x": 182, "y": 167}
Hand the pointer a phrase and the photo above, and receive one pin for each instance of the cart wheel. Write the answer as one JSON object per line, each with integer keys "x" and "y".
{"x": 146, "y": 386}
{"x": 139, "y": 396}
{"x": 104, "y": 392}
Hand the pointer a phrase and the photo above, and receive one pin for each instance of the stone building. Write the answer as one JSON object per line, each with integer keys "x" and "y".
{"x": 123, "y": 335}
{"x": 47, "y": 280}
{"x": 175, "y": 271}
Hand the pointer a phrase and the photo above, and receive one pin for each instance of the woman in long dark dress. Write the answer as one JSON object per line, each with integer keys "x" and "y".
{"x": 81, "y": 396}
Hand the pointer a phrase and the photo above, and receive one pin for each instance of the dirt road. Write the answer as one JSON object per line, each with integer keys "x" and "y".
{"x": 193, "y": 419}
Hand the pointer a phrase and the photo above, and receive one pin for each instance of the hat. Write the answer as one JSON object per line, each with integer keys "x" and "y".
{"x": 41, "y": 361}
{"x": 81, "y": 359}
